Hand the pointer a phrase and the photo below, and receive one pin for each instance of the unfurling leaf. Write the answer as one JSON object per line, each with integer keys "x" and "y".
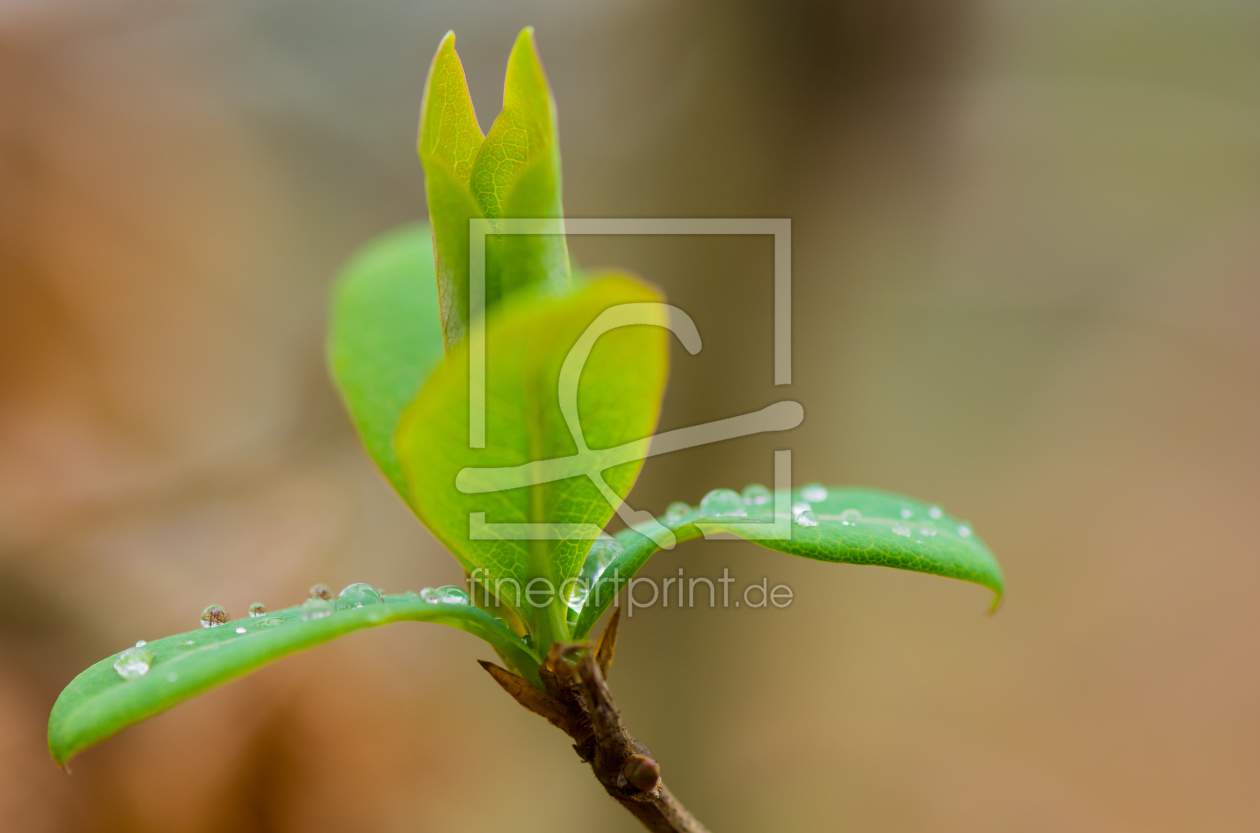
{"x": 511, "y": 173}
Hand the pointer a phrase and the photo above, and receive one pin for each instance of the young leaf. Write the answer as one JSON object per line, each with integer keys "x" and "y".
{"x": 100, "y": 702}
{"x": 384, "y": 337}
{"x": 448, "y": 144}
{"x": 449, "y": 133}
{"x": 850, "y": 526}
{"x": 517, "y": 175}
{"x": 514, "y": 172}
{"x": 617, "y": 402}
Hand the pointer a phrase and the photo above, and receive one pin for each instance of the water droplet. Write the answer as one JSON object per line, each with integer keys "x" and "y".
{"x": 269, "y": 623}
{"x": 901, "y": 529}
{"x": 907, "y": 513}
{"x": 141, "y": 643}
{"x": 934, "y": 512}
{"x": 321, "y": 591}
{"x": 257, "y": 609}
{"x": 240, "y": 630}
{"x": 757, "y": 495}
{"x": 964, "y": 531}
{"x": 850, "y": 517}
{"x": 722, "y": 503}
{"x": 213, "y": 616}
{"x": 806, "y": 518}
{"x": 358, "y": 595}
{"x": 447, "y": 595}
{"x": 800, "y": 506}
{"x": 133, "y": 663}
{"x": 188, "y": 643}
{"x": 602, "y": 553}
{"x": 676, "y": 511}
{"x": 171, "y": 677}
{"x": 316, "y": 608}
{"x": 927, "y": 530}
{"x": 814, "y": 492}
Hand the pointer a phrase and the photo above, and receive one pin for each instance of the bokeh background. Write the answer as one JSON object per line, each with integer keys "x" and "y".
{"x": 1027, "y": 286}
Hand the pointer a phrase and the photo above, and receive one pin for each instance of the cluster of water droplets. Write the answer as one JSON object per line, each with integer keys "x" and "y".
{"x": 602, "y": 553}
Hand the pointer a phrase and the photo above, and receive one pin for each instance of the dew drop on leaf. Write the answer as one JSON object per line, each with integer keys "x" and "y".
{"x": 901, "y": 529}
{"x": 814, "y": 492}
{"x": 757, "y": 495}
{"x": 602, "y": 553}
{"x": 133, "y": 663}
{"x": 676, "y": 511}
{"x": 240, "y": 630}
{"x": 270, "y": 622}
{"x": 141, "y": 643}
{"x": 806, "y": 518}
{"x": 257, "y": 609}
{"x": 934, "y": 512}
{"x": 964, "y": 531}
{"x": 321, "y": 591}
{"x": 722, "y": 503}
{"x": 800, "y": 506}
{"x": 907, "y": 513}
{"x": 358, "y": 595}
{"x": 213, "y": 616}
{"x": 447, "y": 595}
{"x": 171, "y": 677}
{"x": 316, "y": 609}
{"x": 850, "y": 517}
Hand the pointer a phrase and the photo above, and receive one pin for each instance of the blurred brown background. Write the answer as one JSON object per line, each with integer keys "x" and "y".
{"x": 1027, "y": 282}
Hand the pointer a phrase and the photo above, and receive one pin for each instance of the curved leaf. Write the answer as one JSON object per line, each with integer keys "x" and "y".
{"x": 384, "y": 336}
{"x": 854, "y": 526}
{"x": 99, "y": 703}
{"x": 618, "y": 400}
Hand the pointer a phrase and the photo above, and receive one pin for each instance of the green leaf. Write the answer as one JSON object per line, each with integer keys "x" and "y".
{"x": 617, "y": 401}
{"x": 99, "y": 703}
{"x": 448, "y": 144}
{"x": 854, "y": 526}
{"x": 514, "y": 172}
{"x": 524, "y": 132}
{"x": 449, "y": 134}
{"x": 517, "y": 175}
{"x": 385, "y": 336}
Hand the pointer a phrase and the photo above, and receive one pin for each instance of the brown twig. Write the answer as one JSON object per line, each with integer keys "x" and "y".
{"x": 576, "y": 699}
